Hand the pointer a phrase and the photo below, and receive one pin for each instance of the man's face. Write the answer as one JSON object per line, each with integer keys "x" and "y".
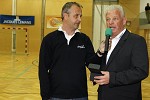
{"x": 74, "y": 17}
{"x": 115, "y": 21}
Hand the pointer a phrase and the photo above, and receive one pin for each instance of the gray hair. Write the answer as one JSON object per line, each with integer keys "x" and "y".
{"x": 115, "y": 7}
{"x": 67, "y": 6}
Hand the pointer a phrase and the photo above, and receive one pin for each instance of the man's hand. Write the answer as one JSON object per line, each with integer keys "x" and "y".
{"x": 102, "y": 80}
{"x": 101, "y": 49}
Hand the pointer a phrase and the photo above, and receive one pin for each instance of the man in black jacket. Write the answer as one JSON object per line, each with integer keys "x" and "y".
{"x": 63, "y": 56}
{"x": 147, "y": 12}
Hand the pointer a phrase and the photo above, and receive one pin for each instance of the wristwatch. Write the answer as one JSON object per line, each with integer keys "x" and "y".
{"x": 99, "y": 53}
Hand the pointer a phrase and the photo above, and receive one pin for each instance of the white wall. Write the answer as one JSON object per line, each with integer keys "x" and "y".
{"x": 99, "y": 25}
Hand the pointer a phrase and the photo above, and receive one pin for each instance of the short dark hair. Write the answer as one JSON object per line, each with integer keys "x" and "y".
{"x": 67, "y": 6}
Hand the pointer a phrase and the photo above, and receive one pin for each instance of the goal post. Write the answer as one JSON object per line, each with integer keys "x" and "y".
{"x": 18, "y": 39}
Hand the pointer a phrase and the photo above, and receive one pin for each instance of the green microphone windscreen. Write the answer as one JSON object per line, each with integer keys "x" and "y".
{"x": 108, "y": 32}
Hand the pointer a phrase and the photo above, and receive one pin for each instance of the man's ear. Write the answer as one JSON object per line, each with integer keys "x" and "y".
{"x": 65, "y": 15}
{"x": 124, "y": 21}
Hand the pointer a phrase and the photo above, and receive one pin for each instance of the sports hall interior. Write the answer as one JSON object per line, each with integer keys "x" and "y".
{"x": 20, "y": 44}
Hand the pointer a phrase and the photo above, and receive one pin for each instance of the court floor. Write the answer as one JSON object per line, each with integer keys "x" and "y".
{"x": 19, "y": 79}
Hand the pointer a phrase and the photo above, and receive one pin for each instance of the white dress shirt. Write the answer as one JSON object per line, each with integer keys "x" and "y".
{"x": 114, "y": 43}
{"x": 68, "y": 37}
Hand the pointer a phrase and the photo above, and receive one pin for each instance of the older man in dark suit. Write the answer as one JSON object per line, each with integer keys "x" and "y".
{"x": 126, "y": 62}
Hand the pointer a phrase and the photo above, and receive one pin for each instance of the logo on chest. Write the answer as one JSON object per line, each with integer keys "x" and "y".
{"x": 81, "y": 46}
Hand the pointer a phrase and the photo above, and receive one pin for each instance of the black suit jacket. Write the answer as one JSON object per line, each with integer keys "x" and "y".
{"x": 128, "y": 66}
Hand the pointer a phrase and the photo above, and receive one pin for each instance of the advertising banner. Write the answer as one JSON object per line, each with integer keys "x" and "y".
{"x": 20, "y": 20}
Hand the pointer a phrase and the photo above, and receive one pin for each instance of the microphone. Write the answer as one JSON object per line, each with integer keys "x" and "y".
{"x": 108, "y": 33}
